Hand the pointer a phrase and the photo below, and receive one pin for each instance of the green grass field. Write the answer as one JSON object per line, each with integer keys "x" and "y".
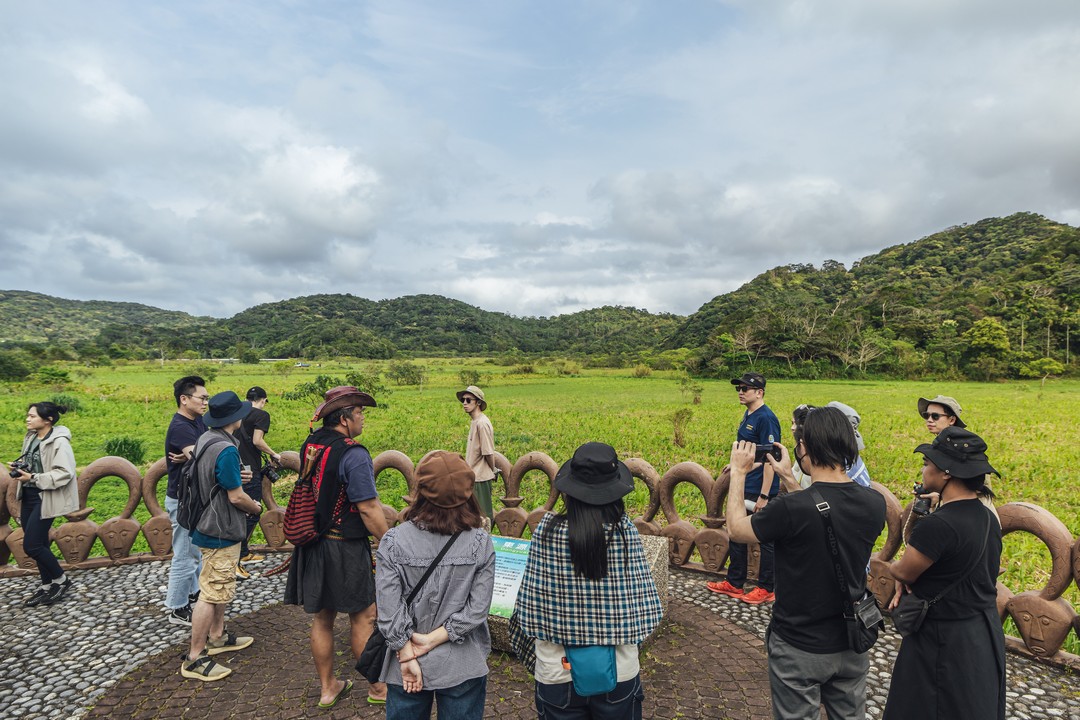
{"x": 1031, "y": 428}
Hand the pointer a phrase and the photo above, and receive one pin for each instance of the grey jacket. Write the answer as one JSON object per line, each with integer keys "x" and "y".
{"x": 59, "y": 489}
{"x": 221, "y": 519}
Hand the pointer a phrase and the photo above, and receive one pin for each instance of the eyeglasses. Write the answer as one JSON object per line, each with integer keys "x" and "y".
{"x": 200, "y": 398}
{"x": 934, "y": 416}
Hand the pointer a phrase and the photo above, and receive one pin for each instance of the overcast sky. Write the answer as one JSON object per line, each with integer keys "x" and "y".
{"x": 534, "y": 158}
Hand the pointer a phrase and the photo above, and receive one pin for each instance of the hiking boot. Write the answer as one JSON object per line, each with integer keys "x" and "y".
{"x": 56, "y": 591}
{"x": 725, "y": 588}
{"x": 37, "y": 598}
{"x": 252, "y": 557}
{"x": 203, "y": 668}
{"x": 758, "y": 596}
{"x": 241, "y": 573}
{"x": 180, "y": 616}
{"x": 227, "y": 643}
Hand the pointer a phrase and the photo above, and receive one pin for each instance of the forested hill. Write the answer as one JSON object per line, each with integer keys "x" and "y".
{"x": 994, "y": 298}
{"x": 29, "y": 317}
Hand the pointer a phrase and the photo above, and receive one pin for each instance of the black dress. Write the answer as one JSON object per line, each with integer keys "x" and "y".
{"x": 954, "y": 666}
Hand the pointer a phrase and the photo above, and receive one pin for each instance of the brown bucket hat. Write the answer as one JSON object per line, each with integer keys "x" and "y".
{"x": 341, "y": 397}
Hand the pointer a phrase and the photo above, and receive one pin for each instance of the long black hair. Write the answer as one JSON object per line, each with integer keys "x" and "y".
{"x": 586, "y": 534}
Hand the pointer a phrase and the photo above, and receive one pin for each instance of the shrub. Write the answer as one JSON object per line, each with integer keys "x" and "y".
{"x": 126, "y": 447}
{"x": 642, "y": 371}
{"x": 52, "y": 376}
{"x": 14, "y": 365}
{"x": 523, "y": 370}
{"x": 404, "y": 372}
{"x": 679, "y": 421}
{"x": 565, "y": 367}
{"x": 469, "y": 377}
{"x": 67, "y": 400}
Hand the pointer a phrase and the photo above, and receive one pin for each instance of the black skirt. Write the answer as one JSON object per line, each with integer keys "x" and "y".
{"x": 333, "y": 575}
{"x": 950, "y": 670}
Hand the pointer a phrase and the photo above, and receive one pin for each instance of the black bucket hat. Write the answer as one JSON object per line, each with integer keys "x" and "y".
{"x": 594, "y": 475}
{"x": 958, "y": 452}
{"x": 226, "y": 407}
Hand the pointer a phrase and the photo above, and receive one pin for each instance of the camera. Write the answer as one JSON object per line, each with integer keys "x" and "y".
{"x": 268, "y": 469}
{"x": 761, "y": 452}
{"x": 922, "y": 504}
{"x": 18, "y": 467}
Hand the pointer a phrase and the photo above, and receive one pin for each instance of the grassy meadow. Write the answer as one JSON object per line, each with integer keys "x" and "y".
{"x": 1031, "y": 427}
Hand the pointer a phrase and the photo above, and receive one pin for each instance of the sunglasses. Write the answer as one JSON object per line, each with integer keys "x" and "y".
{"x": 934, "y": 416}
{"x": 466, "y": 401}
{"x": 744, "y": 388}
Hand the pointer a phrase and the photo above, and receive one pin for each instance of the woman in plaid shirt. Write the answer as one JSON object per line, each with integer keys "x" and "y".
{"x": 587, "y": 585}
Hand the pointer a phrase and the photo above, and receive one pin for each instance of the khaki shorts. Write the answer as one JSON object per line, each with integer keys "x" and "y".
{"x": 217, "y": 581}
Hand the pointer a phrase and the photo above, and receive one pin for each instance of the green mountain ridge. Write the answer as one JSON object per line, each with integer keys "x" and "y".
{"x": 996, "y": 297}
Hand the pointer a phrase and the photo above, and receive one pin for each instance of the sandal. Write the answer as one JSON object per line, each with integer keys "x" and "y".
{"x": 203, "y": 668}
{"x": 345, "y": 690}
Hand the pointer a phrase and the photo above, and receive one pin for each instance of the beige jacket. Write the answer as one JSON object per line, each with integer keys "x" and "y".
{"x": 59, "y": 489}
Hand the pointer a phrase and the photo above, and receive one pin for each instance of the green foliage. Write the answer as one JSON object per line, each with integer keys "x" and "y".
{"x": 469, "y": 377}
{"x": 691, "y": 388}
{"x": 679, "y": 421}
{"x": 563, "y": 367}
{"x": 526, "y": 369}
{"x": 987, "y": 337}
{"x": 71, "y": 402}
{"x": 53, "y": 376}
{"x": 1041, "y": 368}
{"x": 245, "y": 354}
{"x": 642, "y": 371}
{"x": 126, "y": 447}
{"x": 314, "y": 390}
{"x": 405, "y": 373}
{"x": 15, "y": 365}
{"x": 207, "y": 371}
{"x": 369, "y": 382}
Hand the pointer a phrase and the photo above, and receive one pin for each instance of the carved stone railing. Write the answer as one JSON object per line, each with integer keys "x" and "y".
{"x": 1043, "y": 617}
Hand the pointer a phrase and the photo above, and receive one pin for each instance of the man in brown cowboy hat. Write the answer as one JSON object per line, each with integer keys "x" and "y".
{"x": 480, "y": 448}
{"x": 333, "y": 574}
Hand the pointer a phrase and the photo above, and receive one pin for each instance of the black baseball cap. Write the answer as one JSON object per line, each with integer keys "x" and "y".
{"x": 750, "y": 379}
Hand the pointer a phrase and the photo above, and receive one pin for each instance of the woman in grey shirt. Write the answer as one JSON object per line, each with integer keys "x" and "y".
{"x": 440, "y": 643}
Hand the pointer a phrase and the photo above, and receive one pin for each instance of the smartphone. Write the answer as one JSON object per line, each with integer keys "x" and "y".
{"x": 761, "y": 451}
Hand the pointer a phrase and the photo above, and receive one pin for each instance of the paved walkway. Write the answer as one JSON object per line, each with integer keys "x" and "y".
{"x": 107, "y": 646}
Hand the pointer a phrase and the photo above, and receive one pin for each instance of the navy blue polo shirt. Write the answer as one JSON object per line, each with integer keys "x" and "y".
{"x": 760, "y": 427}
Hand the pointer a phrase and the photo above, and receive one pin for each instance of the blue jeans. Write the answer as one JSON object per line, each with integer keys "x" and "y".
{"x": 560, "y": 702}
{"x": 186, "y": 562}
{"x": 36, "y": 536}
{"x": 464, "y": 701}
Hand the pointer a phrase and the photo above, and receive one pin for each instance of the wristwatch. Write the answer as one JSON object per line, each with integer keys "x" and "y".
{"x": 763, "y": 496}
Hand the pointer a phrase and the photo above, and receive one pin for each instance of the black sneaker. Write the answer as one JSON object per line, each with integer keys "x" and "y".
{"x": 181, "y": 616}
{"x": 56, "y": 591}
{"x": 193, "y": 597}
{"x": 37, "y": 598}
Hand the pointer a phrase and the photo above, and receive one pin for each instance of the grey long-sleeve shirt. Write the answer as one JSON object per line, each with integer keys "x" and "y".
{"x": 456, "y": 596}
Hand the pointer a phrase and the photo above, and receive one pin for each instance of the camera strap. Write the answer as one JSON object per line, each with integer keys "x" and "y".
{"x": 833, "y": 545}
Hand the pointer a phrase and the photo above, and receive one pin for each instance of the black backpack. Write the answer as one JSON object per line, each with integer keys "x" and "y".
{"x": 190, "y": 503}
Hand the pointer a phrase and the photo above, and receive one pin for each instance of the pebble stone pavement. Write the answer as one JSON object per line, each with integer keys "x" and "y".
{"x": 106, "y": 651}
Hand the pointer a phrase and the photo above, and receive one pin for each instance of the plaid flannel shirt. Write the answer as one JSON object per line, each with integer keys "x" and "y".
{"x": 556, "y": 605}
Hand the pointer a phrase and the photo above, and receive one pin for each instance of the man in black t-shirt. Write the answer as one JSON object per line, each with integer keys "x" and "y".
{"x": 810, "y": 663}
{"x": 253, "y": 445}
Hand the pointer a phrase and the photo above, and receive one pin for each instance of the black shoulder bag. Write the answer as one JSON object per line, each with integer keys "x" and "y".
{"x": 911, "y": 610}
{"x": 862, "y": 617}
{"x": 371, "y": 660}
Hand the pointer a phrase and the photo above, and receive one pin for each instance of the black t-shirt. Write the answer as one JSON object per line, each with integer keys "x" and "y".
{"x": 182, "y": 432}
{"x": 249, "y": 454}
{"x": 808, "y": 613}
{"x": 952, "y": 536}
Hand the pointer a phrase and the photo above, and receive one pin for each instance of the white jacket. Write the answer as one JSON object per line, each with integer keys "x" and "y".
{"x": 58, "y": 486}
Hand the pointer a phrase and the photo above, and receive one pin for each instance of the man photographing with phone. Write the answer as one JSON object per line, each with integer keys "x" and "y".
{"x": 759, "y": 426}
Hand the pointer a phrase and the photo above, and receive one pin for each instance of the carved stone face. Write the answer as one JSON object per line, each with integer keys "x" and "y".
{"x": 272, "y": 523}
{"x": 158, "y": 533}
{"x": 713, "y": 546}
{"x": 1043, "y": 624}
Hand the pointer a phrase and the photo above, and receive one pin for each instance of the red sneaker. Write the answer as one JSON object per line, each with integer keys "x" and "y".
{"x": 757, "y": 596}
{"x": 725, "y": 588}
